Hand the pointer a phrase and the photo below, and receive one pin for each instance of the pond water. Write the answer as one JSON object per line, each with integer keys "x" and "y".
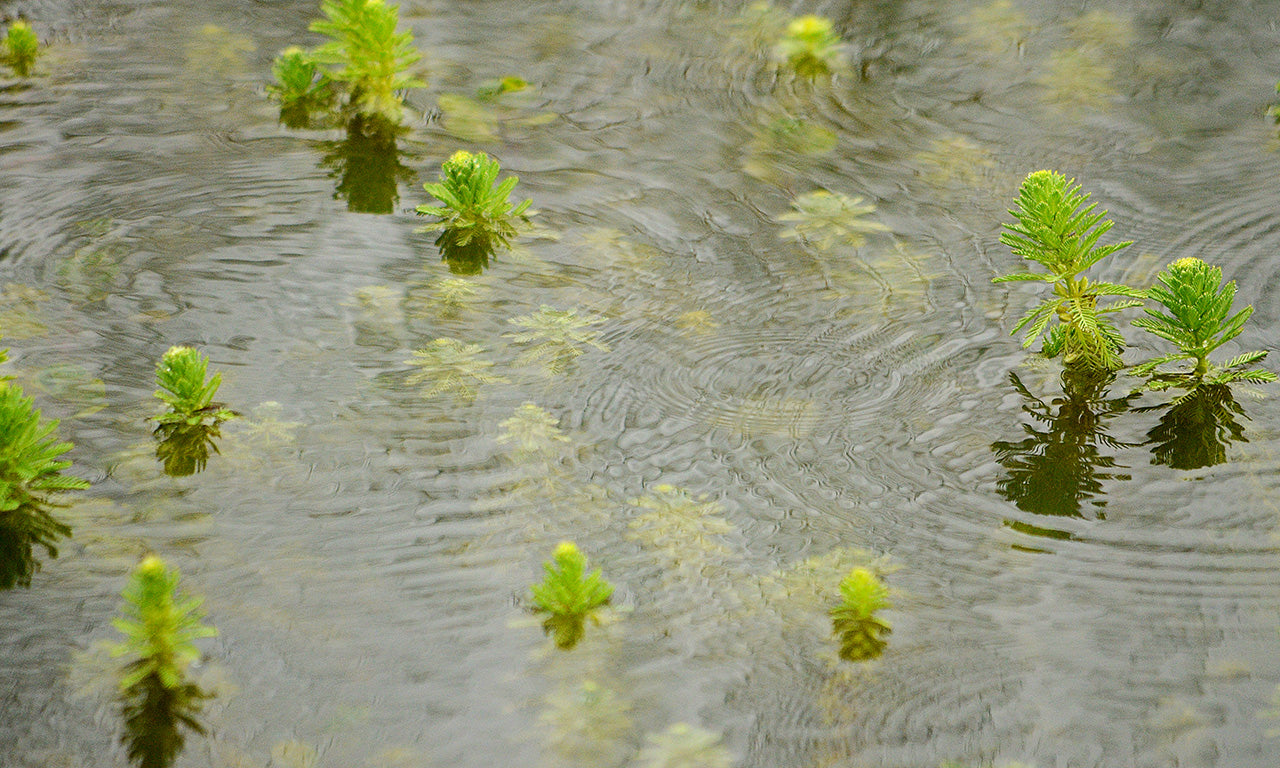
{"x": 744, "y": 415}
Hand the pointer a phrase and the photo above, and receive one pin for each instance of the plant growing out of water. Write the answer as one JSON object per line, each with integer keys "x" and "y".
{"x": 558, "y": 336}
{"x": 181, "y": 378}
{"x": 809, "y": 46}
{"x": 861, "y": 632}
{"x": 568, "y": 594}
{"x": 370, "y": 57}
{"x": 302, "y": 86}
{"x": 1056, "y": 229}
{"x": 475, "y": 211}
{"x": 30, "y": 473}
{"x": 1195, "y": 314}
{"x": 21, "y": 46}
{"x": 160, "y": 626}
{"x": 827, "y": 219}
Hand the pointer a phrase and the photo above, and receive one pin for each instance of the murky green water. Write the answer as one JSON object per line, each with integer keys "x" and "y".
{"x": 1073, "y": 585}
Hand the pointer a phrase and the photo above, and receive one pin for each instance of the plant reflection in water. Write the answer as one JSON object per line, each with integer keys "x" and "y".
{"x": 367, "y": 165}
{"x": 1196, "y": 428}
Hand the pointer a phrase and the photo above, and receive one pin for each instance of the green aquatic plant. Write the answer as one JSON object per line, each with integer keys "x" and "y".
{"x": 21, "y": 46}
{"x": 475, "y": 210}
{"x": 1056, "y": 229}
{"x": 588, "y": 724}
{"x": 1195, "y": 314}
{"x": 678, "y": 523}
{"x": 828, "y": 219}
{"x": 532, "y": 432}
{"x": 450, "y": 366}
{"x": 568, "y": 594}
{"x": 854, "y": 620}
{"x": 558, "y": 337}
{"x": 809, "y": 46}
{"x": 30, "y": 475}
{"x": 370, "y": 58}
{"x": 302, "y": 86}
{"x": 181, "y": 378}
{"x": 160, "y": 625}
{"x": 685, "y": 746}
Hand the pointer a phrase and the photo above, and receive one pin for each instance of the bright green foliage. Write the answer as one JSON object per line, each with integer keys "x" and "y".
{"x": 1058, "y": 231}
{"x": 685, "y": 746}
{"x": 568, "y": 594}
{"x": 1196, "y": 305}
{"x": 21, "y": 46}
{"x": 809, "y": 46}
{"x": 180, "y": 374}
{"x": 370, "y": 56}
{"x": 1274, "y": 111}
{"x": 558, "y": 337}
{"x": 861, "y": 632}
{"x": 474, "y": 211}
{"x": 827, "y": 219}
{"x": 160, "y": 626}
{"x": 452, "y": 366}
{"x": 30, "y": 472}
{"x": 301, "y": 84}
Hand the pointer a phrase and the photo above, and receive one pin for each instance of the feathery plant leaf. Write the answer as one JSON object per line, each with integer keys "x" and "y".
{"x": 1195, "y": 314}
{"x": 473, "y": 210}
{"x": 369, "y": 55}
{"x": 21, "y": 46}
{"x": 569, "y": 594}
{"x": 861, "y": 632}
{"x": 1058, "y": 230}
{"x": 30, "y": 472}
{"x": 452, "y": 366}
{"x": 827, "y": 219}
{"x": 302, "y": 86}
{"x": 180, "y": 376}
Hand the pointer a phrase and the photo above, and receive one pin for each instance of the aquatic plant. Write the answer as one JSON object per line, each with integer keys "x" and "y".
{"x": 21, "y": 46}
{"x": 568, "y": 594}
{"x": 369, "y": 56}
{"x": 158, "y": 701}
{"x": 1193, "y": 314}
{"x": 588, "y": 725}
{"x": 558, "y": 336}
{"x": 1058, "y": 231}
{"x": 532, "y": 431}
{"x": 678, "y": 523}
{"x": 30, "y": 475}
{"x": 302, "y": 86}
{"x": 809, "y": 46}
{"x": 685, "y": 746}
{"x": 475, "y": 210}
{"x": 181, "y": 378}
{"x": 451, "y": 366}
{"x": 861, "y": 632}
{"x": 183, "y": 449}
{"x": 827, "y": 219}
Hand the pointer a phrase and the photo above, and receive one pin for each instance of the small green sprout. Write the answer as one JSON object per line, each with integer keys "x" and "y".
{"x": 809, "y": 46}
{"x": 160, "y": 626}
{"x": 372, "y": 59}
{"x": 1195, "y": 305}
{"x": 302, "y": 86}
{"x": 861, "y": 632}
{"x": 30, "y": 473}
{"x": 568, "y": 594}
{"x": 827, "y": 219}
{"x": 21, "y": 46}
{"x": 473, "y": 211}
{"x": 452, "y": 366}
{"x": 1058, "y": 231}
{"x": 558, "y": 337}
{"x": 180, "y": 376}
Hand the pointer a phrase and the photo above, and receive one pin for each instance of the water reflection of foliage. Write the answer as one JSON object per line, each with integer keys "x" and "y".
{"x": 367, "y": 165}
{"x": 1196, "y": 428}
{"x": 183, "y": 449}
{"x": 1055, "y": 469}
{"x": 557, "y": 337}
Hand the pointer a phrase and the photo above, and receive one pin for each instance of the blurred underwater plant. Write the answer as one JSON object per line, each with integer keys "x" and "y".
{"x": 532, "y": 433}
{"x": 558, "y": 337}
{"x": 450, "y": 366}
{"x": 160, "y": 625}
{"x": 569, "y": 595}
{"x": 21, "y": 47}
{"x": 809, "y": 46}
{"x": 861, "y": 632}
{"x": 829, "y": 219}
{"x": 685, "y": 746}
{"x": 30, "y": 474}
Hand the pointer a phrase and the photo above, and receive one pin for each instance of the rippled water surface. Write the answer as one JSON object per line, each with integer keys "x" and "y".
{"x": 750, "y": 414}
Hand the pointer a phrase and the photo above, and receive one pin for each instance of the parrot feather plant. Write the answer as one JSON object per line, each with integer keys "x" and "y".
{"x": 1195, "y": 314}
{"x": 21, "y": 46}
{"x": 1056, "y": 229}
{"x": 861, "y": 632}
{"x": 369, "y": 56}
{"x": 568, "y": 594}
{"x": 475, "y": 211}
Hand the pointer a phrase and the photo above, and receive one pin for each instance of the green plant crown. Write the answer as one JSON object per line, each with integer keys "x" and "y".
{"x": 180, "y": 376}
{"x": 861, "y": 632}
{"x": 567, "y": 590}
{"x": 160, "y": 626}
{"x": 370, "y": 56}
{"x": 1056, "y": 229}
{"x": 21, "y": 46}
{"x": 30, "y": 468}
{"x": 299, "y": 80}
{"x": 1195, "y": 314}
{"x": 473, "y": 208}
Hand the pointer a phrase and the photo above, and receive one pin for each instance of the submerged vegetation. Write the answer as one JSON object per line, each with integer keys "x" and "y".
{"x": 809, "y": 46}
{"x": 31, "y": 475}
{"x": 829, "y": 219}
{"x": 21, "y": 46}
{"x": 452, "y": 367}
{"x": 557, "y": 337}
{"x": 569, "y": 595}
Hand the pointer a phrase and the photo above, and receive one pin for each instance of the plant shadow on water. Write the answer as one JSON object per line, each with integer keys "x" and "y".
{"x": 367, "y": 165}
{"x": 1055, "y": 470}
{"x": 1196, "y": 428}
